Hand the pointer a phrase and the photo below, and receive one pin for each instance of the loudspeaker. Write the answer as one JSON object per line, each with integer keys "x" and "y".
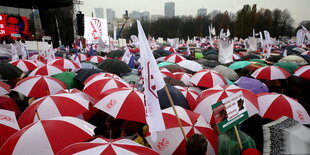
{"x": 80, "y": 23}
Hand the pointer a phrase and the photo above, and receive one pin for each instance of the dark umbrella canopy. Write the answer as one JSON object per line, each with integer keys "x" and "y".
{"x": 114, "y": 66}
{"x": 176, "y": 96}
{"x": 116, "y": 53}
{"x": 163, "y": 52}
{"x": 84, "y": 73}
{"x": 174, "y": 82}
{"x": 8, "y": 71}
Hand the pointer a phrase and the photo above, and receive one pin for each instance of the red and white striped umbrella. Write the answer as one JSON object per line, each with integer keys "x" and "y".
{"x": 171, "y": 140}
{"x": 101, "y": 146}
{"x": 190, "y": 95}
{"x": 175, "y": 58}
{"x": 165, "y": 72}
{"x": 64, "y": 63}
{"x": 99, "y": 76}
{"x": 218, "y": 93}
{"x": 207, "y": 78}
{"x": 97, "y": 86}
{"x": 123, "y": 103}
{"x": 39, "y": 63}
{"x": 82, "y": 57}
{"x": 184, "y": 77}
{"x": 190, "y": 65}
{"x": 78, "y": 92}
{"x": 236, "y": 56}
{"x": 8, "y": 125}
{"x": 4, "y": 88}
{"x": 274, "y": 106}
{"x": 24, "y": 65}
{"x": 168, "y": 48}
{"x": 39, "y": 86}
{"x": 37, "y": 57}
{"x": 53, "y": 106}
{"x": 303, "y": 71}
{"x": 48, "y": 136}
{"x": 305, "y": 53}
{"x": 95, "y": 59}
{"x": 270, "y": 73}
{"x": 47, "y": 70}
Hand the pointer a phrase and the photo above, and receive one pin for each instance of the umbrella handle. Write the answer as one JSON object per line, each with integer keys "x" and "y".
{"x": 238, "y": 137}
{"x": 38, "y": 114}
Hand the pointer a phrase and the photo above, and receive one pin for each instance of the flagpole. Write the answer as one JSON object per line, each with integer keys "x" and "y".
{"x": 175, "y": 112}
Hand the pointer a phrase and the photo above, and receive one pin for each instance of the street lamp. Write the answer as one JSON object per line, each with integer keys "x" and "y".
{"x": 126, "y": 17}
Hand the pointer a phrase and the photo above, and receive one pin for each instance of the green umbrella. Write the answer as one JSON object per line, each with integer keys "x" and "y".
{"x": 165, "y": 63}
{"x": 114, "y": 66}
{"x": 290, "y": 67}
{"x": 198, "y": 55}
{"x": 68, "y": 79}
{"x": 239, "y": 64}
{"x": 228, "y": 81}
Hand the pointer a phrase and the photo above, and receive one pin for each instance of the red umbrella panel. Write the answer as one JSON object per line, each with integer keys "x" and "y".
{"x": 48, "y": 136}
{"x": 270, "y": 73}
{"x": 171, "y": 140}
{"x": 64, "y": 63}
{"x": 274, "y": 106}
{"x": 175, "y": 58}
{"x": 99, "y": 76}
{"x": 95, "y": 59}
{"x": 4, "y": 88}
{"x": 54, "y": 106}
{"x": 24, "y": 65}
{"x": 97, "y": 86}
{"x": 39, "y": 86}
{"x": 218, "y": 93}
{"x": 108, "y": 147}
{"x": 8, "y": 125}
{"x": 184, "y": 77}
{"x": 81, "y": 57}
{"x": 123, "y": 103}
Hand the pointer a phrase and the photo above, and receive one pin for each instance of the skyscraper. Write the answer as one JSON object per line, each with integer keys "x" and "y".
{"x": 99, "y": 13}
{"x": 169, "y": 9}
{"x": 202, "y": 12}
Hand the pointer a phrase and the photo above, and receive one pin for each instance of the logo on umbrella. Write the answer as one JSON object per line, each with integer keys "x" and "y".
{"x": 111, "y": 104}
{"x": 6, "y": 118}
{"x": 300, "y": 115}
{"x": 162, "y": 144}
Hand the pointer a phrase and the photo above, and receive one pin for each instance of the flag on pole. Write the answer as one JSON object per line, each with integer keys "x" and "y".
{"x": 151, "y": 84}
{"x": 127, "y": 55}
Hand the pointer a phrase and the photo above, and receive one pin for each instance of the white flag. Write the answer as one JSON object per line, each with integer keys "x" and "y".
{"x": 226, "y": 50}
{"x": 285, "y": 53}
{"x": 267, "y": 38}
{"x": 127, "y": 55}
{"x": 153, "y": 81}
{"x": 51, "y": 53}
{"x": 13, "y": 52}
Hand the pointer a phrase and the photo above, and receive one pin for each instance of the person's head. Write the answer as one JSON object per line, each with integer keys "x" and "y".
{"x": 196, "y": 144}
{"x": 130, "y": 127}
{"x": 15, "y": 24}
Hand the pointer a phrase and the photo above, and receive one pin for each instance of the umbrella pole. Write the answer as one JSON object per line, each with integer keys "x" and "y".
{"x": 175, "y": 112}
{"x": 238, "y": 137}
{"x": 38, "y": 114}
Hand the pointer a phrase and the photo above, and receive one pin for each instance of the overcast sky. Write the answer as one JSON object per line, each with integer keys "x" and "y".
{"x": 300, "y": 9}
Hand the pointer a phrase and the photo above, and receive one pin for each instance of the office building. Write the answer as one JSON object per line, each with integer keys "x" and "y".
{"x": 99, "y": 13}
{"x": 169, "y": 9}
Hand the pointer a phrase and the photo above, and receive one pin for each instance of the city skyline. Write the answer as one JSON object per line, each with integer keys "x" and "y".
{"x": 296, "y": 8}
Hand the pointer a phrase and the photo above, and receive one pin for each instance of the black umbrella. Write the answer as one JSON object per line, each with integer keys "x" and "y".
{"x": 274, "y": 58}
{"x": 116, "y": 53}
{"x": 9, "y": 71}
{"x": 163, "y": 52}
{"x": 114, "y": 66}
{"x": 84, "y": 73}
{"x": 176, "y": 96}
{"x": 250, "y": 56}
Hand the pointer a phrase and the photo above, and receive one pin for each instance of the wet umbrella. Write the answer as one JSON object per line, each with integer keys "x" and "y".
{"x": 274, "y": 58}
{"x": 47, "y": 70}
{"x": 95, "y": 59}
{"x": 64, "y": 63}
{"x": 64, "y": 104}
{"x": 270, "y": 73}
{"x": 175, "y": 58}
{"x": 175, "y": 68}
{"x": 173, "y": 81}
{"x": 116, "y": 54}
{"x": 104, "y": 146}
{"x": 211, "y": 57}
{"x": 303, "y": 71}
{"x": 24, "y": 65}
{"x": 239, "y": 64}
{"x": 227, "y": 72}
{"x": 163, "y": 52}
{"x": 8, "y": 125}
{"x": 211, "y": 63}
{"x": 114, "y": 66}
{"x": 4, "y": 88}
{"x": 165, "y": 63}
{"x": 68, "y": 79}
{"x": 191, "y": 65}
{"x": 88, "y": 64}
{"x": 290, "y": 67}
{"x": 198, "y": 55}
{"x": 252, "y": 84}
{"x": 84, "y": 73}
{"x": 294, "y": 59}
{"x": 48, "y": 136}
{"x": 207, "y": 78}
{"x": 8, "y": 71}
{"x": 176, "y": 95}
{"x": 251, "y": 56}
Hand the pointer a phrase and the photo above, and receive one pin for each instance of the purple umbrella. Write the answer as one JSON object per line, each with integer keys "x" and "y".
{"x": 251, "y": 84}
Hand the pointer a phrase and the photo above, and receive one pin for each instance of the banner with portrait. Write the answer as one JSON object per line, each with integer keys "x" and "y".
{"x": 14, "y": 26}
